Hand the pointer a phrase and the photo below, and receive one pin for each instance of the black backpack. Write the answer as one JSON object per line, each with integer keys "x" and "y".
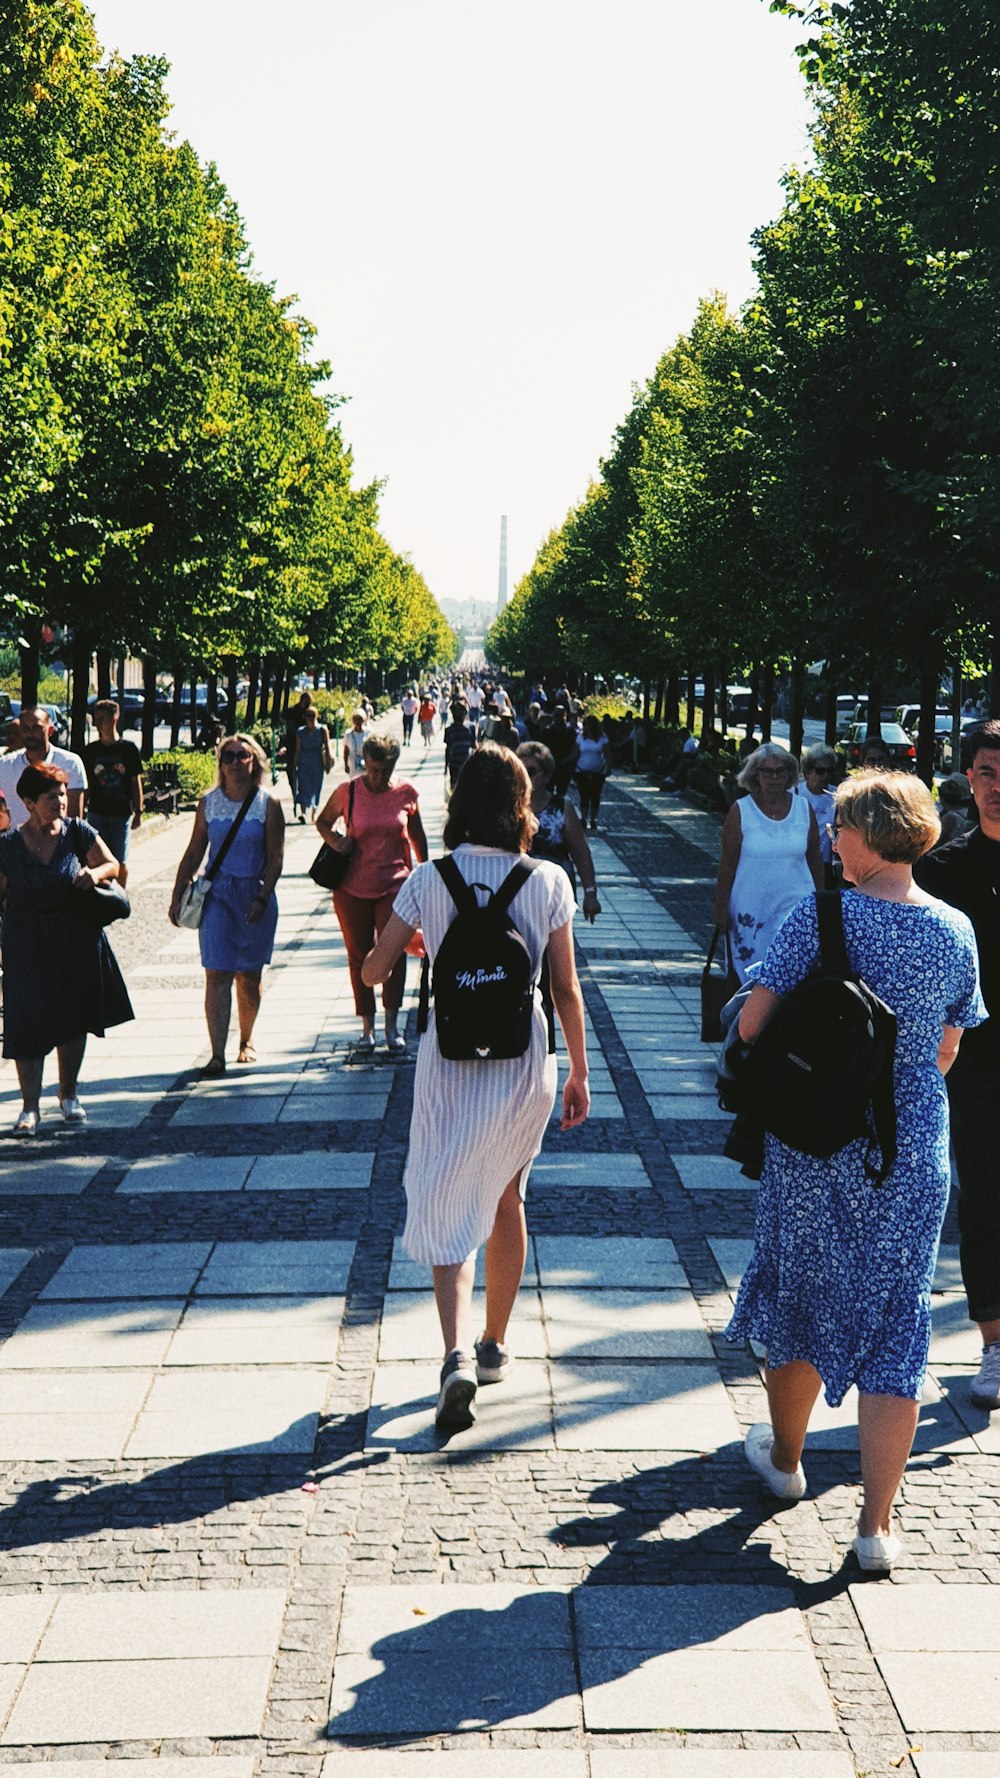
{"x": 484, "y": 987}
{"x": 820, "y": 1074}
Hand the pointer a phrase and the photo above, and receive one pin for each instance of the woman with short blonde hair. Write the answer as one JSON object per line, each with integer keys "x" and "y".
{"x": 838, "y": 1286}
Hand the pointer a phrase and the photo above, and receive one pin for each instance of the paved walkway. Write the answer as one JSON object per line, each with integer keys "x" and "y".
{"x": 227, "y": 1530}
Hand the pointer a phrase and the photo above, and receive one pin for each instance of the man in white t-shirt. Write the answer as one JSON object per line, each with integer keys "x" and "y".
{"x": 354, "y": 742}
{"x": 409, "y": 705}
{"x": 37, "y": 750}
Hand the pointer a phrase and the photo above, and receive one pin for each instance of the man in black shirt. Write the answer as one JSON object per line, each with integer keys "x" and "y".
{"x": 966, "y": 874}
{"x": 459, "y": 741}
{"x": 114, "y": 777}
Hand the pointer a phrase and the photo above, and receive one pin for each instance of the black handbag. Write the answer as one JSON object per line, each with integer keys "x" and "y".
{"x": 329, "y": 868}
{"x": 716, "y": 988}
{"x": 103, "y": 904}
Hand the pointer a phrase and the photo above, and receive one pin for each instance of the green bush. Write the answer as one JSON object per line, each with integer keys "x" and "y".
{"x": 607, "y": 703}
{"x": 195, "y": 770}
{"x": 51, "y": 687}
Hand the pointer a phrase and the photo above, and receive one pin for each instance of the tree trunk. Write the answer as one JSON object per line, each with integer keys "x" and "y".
{"x": 278, "y": 693}
{"x": 708, "y": 704}
{"x": 830, "y": 730}
{"x": 646, "y": 699}
{"x": 81, "y": 686}
{"x": 929, "y": 677}
{"x": 689, "y": 699}
{"x": 252, "y": 676}
{"x": 212, "y": 693}
{"x": 193, "y": 704}
{"x": 149, "y": 705}
{"x": 122, "y": 663}
{"x": 874, "y": 725}
{"x": 766, "y": 700}
{"x": 723, "y": 703}
{"x": 658, "y": 712}
{"x": 797, "y": 715}
{"x": 232, "y": 675}
{"x": 672, "y": 702}
{"x": 30, "y": 666}
{"x": 104, "y": 672}
{"x": 994, "y": 679}
{"x": 175, "y": 705}
{"x": 265, "y": 681}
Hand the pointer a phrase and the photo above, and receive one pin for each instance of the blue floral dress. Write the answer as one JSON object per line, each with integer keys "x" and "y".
{"x": 227, "y": 942}
{"x": 841, "y": 1270}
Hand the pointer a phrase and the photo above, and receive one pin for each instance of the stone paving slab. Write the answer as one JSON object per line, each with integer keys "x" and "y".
{"x": 445, "y": 1693}
{"x": 935, "y": 1692}
{"x": 723, "y": 1762}
{"x": 671, "y": 1406}
{"x": 670, "y": 1618}
{"x": 408, "y": 1274}
{"x": 276, "y": 1268}
{"x": 485, "y": 1762}
{"x": 162, "y": 1626}
{"x": 623, "y": 1261}
{"x": 614, "y": 1172}
{"x": 258, "y": 1330}
{"x": 73, "y": 1702}
{"x": 64, "y": 1336}
{"x": 615, "y": 1324}
{"x": 68, "y": 1414}
{"x": 193, "y": 1413}
{"x": 925, "y": 1617}
{"x": 23, "y": 1618}
{"x": 955, "y": 1765}
{"x": 699, "y": 1689}
{"x": 312, "y": 1170}
{"x": 147, "y": 1269}
{"x": 710, "y": 1172}
{"x": 516, "y": 1415}
{"x": 186, "y": 1173}
{"x": 58, "y": 1175}
{"x": 491, "y": 1619}
{"x": 410, "y": 1328}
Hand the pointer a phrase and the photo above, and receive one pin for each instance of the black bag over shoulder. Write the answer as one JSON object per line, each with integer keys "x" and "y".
{"x": 483, "y": 982}
{"x": 820, "y": 1074}
{"x": 329, "y": 868}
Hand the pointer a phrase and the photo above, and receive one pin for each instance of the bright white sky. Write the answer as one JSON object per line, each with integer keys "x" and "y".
{"x": 499, "y": 215}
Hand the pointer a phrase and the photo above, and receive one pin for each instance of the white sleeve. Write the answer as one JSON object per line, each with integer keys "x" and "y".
{"x": 562, "y": 905}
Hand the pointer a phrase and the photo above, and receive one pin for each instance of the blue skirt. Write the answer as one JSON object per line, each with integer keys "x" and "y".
{"x": 227, "y": 942}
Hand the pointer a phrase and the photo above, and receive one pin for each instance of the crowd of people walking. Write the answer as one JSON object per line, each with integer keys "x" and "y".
{"x": 837, "y": 1291}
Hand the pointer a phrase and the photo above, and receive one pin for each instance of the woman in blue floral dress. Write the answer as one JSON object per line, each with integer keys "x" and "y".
{"x": 838, "y": 1285}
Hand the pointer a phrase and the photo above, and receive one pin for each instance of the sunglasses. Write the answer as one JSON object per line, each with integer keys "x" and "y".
{"x": 228, "y": 758}
{"x": 834, "y": 829}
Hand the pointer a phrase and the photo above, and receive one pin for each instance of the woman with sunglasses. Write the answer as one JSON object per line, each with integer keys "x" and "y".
{"x": 241, "y": 910}
{"x": 769, "y": 859}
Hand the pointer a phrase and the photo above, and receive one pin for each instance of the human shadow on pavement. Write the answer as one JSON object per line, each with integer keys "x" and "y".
{"x": 412, "y": 1662}
{"x": 61, "y": 1508}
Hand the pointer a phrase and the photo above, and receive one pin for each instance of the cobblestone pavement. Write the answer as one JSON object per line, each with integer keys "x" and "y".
{"x": 227, "y": 1531}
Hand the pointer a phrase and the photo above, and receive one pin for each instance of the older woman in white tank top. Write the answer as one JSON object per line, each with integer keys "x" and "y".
{"x": 770, "y": 858}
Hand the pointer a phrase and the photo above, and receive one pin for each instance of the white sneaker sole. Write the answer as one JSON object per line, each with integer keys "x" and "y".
{"x": 456, "y": 1406}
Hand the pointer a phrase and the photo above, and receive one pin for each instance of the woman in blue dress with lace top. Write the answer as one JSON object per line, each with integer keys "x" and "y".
{"x": 838, "y": 1285}
{"x": 241, "y": 910}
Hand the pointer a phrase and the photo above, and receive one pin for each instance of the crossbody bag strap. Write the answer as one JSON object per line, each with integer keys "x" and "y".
{"x": 834, "y": 959}
{"x": 216, "y": 864}
{"x": 350, "y": 806}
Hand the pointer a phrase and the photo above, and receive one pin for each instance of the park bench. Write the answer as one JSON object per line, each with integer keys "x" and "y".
{"x": 161, "y": 788}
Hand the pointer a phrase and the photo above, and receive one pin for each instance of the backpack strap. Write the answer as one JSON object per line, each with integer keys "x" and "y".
{"x": 515, "y": 880}
{"x": 461, "y": 892}
{"x": 832, "y": 942}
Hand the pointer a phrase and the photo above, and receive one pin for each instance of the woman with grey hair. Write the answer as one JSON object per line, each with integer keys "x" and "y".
{"x": 383, "y": 831}
{"x": 819, "y": 770}
{"x": 770, "y": 856}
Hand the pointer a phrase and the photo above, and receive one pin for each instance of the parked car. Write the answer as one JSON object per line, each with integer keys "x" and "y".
{"x": 887, "y": 712}
{"x": 908, "y": 716}
{"x": 56, "y": 714}
{"x": 946, "y": 751}
{"x": 165, "y": 702}
{"x": 130, "y": 708}
{"x": 847, "y": 703}
{"x": 895, "y": 739}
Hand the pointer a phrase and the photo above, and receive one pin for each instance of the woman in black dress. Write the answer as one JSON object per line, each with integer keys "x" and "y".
{"x": 61, "y": 980}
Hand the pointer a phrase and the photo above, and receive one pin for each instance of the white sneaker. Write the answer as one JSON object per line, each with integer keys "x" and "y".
{"x": 757, "y": 1449}
{"x": 985, "y": 1390}
{"x": 877, "y": 1554}
{"x": 73, "y": 1112}
{"x": 27, "y": 1124}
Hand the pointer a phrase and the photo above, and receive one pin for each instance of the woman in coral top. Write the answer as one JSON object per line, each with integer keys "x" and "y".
{"x": 383, "y": 830}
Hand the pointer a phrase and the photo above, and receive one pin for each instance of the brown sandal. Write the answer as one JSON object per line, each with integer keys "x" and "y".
{"x": 247, "y": 1053}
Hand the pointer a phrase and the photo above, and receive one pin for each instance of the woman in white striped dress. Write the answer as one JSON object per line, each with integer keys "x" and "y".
{"x": 477, "y": 1126}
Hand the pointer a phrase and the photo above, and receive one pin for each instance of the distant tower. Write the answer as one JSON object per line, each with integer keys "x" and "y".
{"x": 502, "y": 588}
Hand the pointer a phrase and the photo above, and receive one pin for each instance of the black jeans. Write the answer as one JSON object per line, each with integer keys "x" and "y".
{"x": 974, "y": 1097}
{"x": 590, "y": 785}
